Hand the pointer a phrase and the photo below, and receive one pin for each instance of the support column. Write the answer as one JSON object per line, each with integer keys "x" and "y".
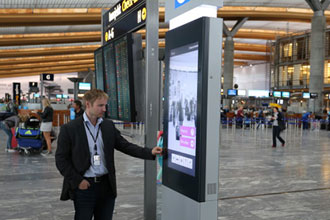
{"x": 316, "y": 81}
{"x": 228, "y": 70}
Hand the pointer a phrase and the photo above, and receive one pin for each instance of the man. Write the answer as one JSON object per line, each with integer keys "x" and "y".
{"x": 305, "y": 120}
{"x": 85, "y": 157}
{"x": 77, "y": 108}
{"x": 6, "y": 125}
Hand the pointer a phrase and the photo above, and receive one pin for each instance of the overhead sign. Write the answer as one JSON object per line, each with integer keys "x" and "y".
{"x": 33, "y": 84}
{"x": 47, "y": 77}
{"x": 17, "y": 93}
{"x": 124, "y": 17}
{"x": 314, "y": 95}
{"x": 174, "y": 8}
{"x": 179, "y": 3}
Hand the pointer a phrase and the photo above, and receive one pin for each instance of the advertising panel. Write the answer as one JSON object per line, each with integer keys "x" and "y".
{"x": 183, "y": 75}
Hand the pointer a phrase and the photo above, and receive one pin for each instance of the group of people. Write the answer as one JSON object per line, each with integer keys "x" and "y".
{"x": 85, "y": 155}
{"x": 12, "y": 120}
{"x": 276, "y": 117}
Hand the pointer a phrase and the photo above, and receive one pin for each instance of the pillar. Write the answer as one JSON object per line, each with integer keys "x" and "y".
{"x": 316, "y": 80}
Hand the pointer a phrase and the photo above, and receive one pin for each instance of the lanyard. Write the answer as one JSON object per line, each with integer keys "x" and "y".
{"x": 94, "y": 139}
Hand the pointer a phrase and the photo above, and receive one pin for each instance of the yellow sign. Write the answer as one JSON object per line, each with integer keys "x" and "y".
{"x": 127, "y": 4}
{"x": 106, "y": 36}
{"x": 144, "y": 14}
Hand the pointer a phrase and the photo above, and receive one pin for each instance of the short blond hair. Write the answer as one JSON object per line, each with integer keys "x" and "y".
{"x": 94, "y": 94}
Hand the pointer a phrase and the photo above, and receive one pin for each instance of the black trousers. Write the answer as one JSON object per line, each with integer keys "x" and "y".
{"x": 95, "y": 201}
{"x": 276, "y": 134}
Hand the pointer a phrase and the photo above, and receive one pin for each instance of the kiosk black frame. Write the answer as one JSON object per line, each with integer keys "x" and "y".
{"x": 189, "y": 185}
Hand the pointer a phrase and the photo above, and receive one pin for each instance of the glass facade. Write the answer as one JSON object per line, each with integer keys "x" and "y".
{"x": 290, "y": 66}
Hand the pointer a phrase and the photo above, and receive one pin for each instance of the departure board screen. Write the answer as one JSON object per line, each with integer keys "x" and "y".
{"x": 98, "y": 63}
{"x": 123, "y": 79}
{"x": 118, "y": 77}
{"x": 110, "y": 81}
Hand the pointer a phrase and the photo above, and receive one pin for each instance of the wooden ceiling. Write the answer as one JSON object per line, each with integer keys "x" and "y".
{"x": 46, "y": 56}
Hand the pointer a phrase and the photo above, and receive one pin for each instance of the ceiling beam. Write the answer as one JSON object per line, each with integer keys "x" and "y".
{"x": 239, "y": 63}
{"x": 42, "y": 59}
{"x": 46, "y": 64}
{"x": 43, "y": 69}
{"x": 38, "y": 73}
{"x": 47, "y": 51}
{"x": 48, "y": 17}
{"x": 37, "y": 39}
{"x": 251, "y": 57}
{"x": 238, "y": 46}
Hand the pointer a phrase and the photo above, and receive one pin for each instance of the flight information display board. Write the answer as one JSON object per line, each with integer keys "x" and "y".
{"x": 118, "y": 78}
{"x": 110, "y": 81}
{"x": 123, "y": 79}
{"x": 99, "y": 68}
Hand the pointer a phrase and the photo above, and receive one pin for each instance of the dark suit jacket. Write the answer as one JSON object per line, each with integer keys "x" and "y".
{"x": 73, "y": 156}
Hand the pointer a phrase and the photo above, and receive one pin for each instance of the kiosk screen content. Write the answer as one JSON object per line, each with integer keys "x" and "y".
{"x": 182, "y": 104}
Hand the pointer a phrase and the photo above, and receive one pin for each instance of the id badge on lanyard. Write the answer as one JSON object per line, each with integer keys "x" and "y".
{"x": 97, "y": 160}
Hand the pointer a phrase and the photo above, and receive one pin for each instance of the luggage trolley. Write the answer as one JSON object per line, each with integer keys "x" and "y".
{"x": 29, "y": 137}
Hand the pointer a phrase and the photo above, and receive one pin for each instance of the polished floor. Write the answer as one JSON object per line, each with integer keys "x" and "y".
{"x": 256, "y": 181}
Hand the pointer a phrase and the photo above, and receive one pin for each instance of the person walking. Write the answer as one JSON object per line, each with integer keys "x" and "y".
{"x": 46, "y": 123}
{"x": 85, "y": 158}
{"x": 261, "y": 118}
{"x": 278, "y": 126}
{"x": 77, "y": 105}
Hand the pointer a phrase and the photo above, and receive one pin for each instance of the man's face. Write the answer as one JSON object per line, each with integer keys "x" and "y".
{"x": 98, "y": 108}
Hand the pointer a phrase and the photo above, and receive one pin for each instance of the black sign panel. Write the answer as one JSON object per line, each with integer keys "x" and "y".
{"x": 17, "y": 93}
{"x": 33, "y": 84}
{"x": 314, "y": 95}
{"x": 120, "y": 10}
{"x": 128, "y": 23}
{"x": 47, "y": 77}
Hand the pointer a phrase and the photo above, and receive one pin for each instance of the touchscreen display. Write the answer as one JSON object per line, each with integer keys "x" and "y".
{"x": 182, "y": 108}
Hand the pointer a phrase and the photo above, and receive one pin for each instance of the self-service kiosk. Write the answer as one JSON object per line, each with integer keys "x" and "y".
{"x": 192, "y": 120}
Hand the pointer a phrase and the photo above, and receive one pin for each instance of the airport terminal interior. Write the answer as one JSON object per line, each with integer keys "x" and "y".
{"x": 275, "y": 55}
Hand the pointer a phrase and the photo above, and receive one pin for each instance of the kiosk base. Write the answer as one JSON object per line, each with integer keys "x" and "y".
{"x": 176, "y": 206}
